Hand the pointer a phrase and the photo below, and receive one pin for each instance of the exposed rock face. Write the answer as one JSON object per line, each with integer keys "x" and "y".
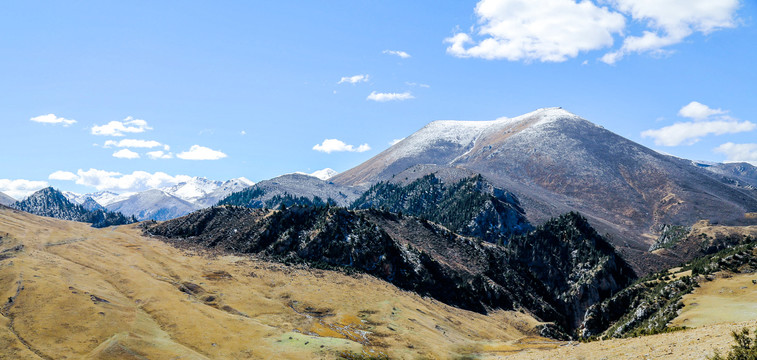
{"x": 576, "y": 269}
{"x": 556, "y": 162}
{"x": 52, "y": 203}
{"x": 470, "y": 207}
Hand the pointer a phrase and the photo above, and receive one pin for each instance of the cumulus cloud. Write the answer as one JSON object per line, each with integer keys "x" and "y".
{"x": 119, "y": 128}
{"x": 52, "y": 119}
{"x": 707, "y": 121}
{"x": 399, "y": 53}
{"x": 353, "y": 79}
{"x": 698, "y": 111}
{"x": 20, "y": 188}
{"x": 670, "y": 22}
{"x": 125, "y": 154}
{"x": 132, "y": 143}
{"x": 395, "y": 141}
{"x": 690, "y": 132}
{"x": 335, "y": 145}
{"x": 739, "y": 152}
{"x": 548, "y": 30}
{"x": 117, "y": 182}
{"x": 63, "y": 175}
{"x": 557, "y": 30}
{"x": 159, "y": 155}
{"x": 383, "y": 97}
{"x": 197, "y": 152}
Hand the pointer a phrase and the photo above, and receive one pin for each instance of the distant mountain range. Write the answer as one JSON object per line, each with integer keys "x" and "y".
{"x": 52, "y": 203}
{"x": 164, "y": 203}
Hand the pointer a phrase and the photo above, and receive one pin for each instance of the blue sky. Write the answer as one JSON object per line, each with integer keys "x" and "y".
{"x": 230, "y": 89}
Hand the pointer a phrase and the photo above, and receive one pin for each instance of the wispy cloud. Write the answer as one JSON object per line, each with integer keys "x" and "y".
{"x": 63, "y": 175}
{"x": 133, "y": 143}
{"x": 158, "y": 154}
{"x": 739, "y": 152}
{"x": 335, "y": 145}
{"x": 125, "y": 154}
{"x": 383, "y": 97}
{"x": 52, "y": 119}
{"x": 117, "y": 182}
{"x": 707, "y": 121}
{"x": 671, "y": 22}
{"x": 197, "y": 152}
{"x": 119, "y": 128}
{"x": 20, "y": 188}
{"x": 399, "y": 53}
{"x": 353, "y": 79}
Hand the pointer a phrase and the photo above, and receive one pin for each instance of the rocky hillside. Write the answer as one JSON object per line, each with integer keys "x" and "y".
{"x": 52, "y": 203}
{"x": 470, "y": 207}
{"x": 424, "y": 257}
{"x": 556, "y": 162}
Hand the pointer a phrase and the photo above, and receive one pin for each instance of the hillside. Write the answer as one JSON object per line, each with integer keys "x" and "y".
{"x": 80, "y": 292}
{"x": 556, "y": 162}
{"x": 52, "y": 203}
{"x": 6, "y": 200}
{"x": 573, "y": 269}
{"x": 470, "y": 207}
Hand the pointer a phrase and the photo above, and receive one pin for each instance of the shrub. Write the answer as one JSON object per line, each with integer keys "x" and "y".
{"x": 745, "y": 347}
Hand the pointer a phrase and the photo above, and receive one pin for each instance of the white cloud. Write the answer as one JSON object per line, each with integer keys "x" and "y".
{"x": 20, "y": 188}
{"x": 669, "y": 22}
{"x": 334, "y": 145}
{"x": 707, "y": 121}
{"x": 417, "y": 84}
{"x": 739, "y": 152}
{"x": 132, "y": 143}
{"x": 690, "y": 132}
{"x": 52, "y": 119}
{"x": 118, "y": 128}
{"x": 63, "y": 175}
{"x": 698, "y": 111}
{"x": 243, "y": 132}
{"x": 125, "y": 154}
{"x": 556, "y": 30}
{"x": 399, "y": 53}
{"x": 527, "y": 30}
{"x": 159, "y": 155}
{"x": 197, "y": 152}
{"x": 353, "y": 79}
{"x": 395, "y": 141}
{"x": 382, "y": 97}
{"x": 117, "y": 182}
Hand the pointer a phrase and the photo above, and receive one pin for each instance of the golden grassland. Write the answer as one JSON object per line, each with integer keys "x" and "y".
{"x": 71, "y": 291}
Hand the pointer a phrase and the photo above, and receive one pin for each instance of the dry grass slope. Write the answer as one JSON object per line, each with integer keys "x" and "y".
{"x": 71, "y": 291}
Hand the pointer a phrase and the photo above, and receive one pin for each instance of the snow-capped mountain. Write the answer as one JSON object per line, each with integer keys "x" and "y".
{"x": 555, "y": 162}
{"x": 202, "y": 192}
{"x": 154, "y": 204}
{"x": 164, "y": 203}
{"x": 6, "y": 200}
{"x": 324, "y": 174}
{"x": 104, "y": 198}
